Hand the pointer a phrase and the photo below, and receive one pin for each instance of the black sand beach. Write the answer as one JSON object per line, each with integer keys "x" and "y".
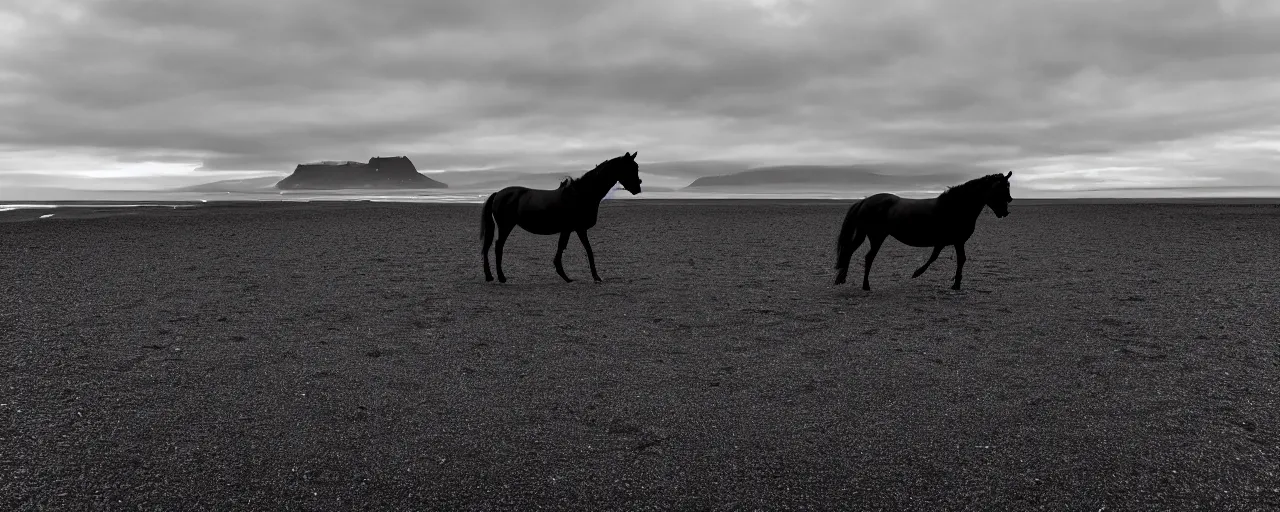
{"x": 350, "y": 356}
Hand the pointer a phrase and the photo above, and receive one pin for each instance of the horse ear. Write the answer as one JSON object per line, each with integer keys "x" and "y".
{"x": 633, "y": 155}
{"x": 1010, "y": 175}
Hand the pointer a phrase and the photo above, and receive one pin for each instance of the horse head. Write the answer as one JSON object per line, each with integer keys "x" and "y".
{"x": 997, "y": 194}
{"x": 627, "y": 172}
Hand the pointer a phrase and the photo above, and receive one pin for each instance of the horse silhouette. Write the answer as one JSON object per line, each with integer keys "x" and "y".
{"x": 570, "y": 208}
{"x": 937, "y": 222}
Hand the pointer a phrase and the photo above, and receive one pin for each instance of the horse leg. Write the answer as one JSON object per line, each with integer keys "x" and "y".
{"x": 876, "y": 240}
{"x": 484, "y": 252}
{"x": 564, "y": 242}
{"x": 842, "y": 260}
{"x": 504, "y": 230}
{"x": 959, "y": 265}
{"x": 936, "y": 251}
{"x": 591, "y": 258}
{"x": 487, "y": 228}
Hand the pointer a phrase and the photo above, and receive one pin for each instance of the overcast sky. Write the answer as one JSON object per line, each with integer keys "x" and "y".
{"x": 1071, "y": 94}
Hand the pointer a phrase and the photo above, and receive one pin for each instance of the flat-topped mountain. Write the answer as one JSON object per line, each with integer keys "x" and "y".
{"x": 395, "y": 172}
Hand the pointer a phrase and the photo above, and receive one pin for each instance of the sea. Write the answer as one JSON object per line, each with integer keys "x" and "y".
{"x": 52, "y": 199}
{"x": 124, "y": 199}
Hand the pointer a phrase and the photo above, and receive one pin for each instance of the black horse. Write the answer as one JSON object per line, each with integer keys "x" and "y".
{"x": 571, "y": 208}
{"x": 948, "y": 219}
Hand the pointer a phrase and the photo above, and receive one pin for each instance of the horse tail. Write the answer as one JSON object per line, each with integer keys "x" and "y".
{"x": 844, "y": 243}
{"x": 486, "y": 222}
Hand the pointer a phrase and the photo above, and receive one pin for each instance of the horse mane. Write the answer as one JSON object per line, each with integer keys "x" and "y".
{"x": 587, "y": 177}
{"x": 968, "y": 190}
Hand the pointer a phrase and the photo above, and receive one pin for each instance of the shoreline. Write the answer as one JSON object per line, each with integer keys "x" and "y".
{"x": 69, "y": 210}
{"x": 738, "y": 200}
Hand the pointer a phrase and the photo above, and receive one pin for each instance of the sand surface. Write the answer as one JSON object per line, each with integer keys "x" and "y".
{"x": 351, "y": 357}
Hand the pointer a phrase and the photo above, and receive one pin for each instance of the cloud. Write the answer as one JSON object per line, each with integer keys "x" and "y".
{"x": 1062, "y": 89}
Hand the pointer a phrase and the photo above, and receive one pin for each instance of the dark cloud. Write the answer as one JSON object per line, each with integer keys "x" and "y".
{"x": 1047, "y": 86}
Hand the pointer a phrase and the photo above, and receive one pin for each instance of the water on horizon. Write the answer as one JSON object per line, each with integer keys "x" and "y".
{"x": 14, "y": 200}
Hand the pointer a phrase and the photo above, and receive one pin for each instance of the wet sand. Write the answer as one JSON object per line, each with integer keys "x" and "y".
{"x": 340, "y": 356}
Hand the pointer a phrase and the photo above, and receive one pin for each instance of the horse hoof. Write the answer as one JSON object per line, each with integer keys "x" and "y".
{"x": 866, "y": 288}
{"x": 597, "y": 279}
{"x": 502, "y": 279}
{"x": 488, "y": 279}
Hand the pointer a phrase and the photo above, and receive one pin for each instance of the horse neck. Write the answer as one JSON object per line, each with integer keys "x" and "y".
{"x": 595, "y": 184}
{"x": 962, "y": 202}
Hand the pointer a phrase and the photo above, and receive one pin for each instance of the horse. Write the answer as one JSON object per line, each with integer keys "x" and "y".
{"x": 948, "y": 219}
{"x": 570, "y": 208}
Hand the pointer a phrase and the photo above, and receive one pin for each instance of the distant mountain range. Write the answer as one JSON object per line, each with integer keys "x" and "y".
{"x": 656, "y": 176}
{"x": 702, "y": 176}
{"x": 264, "y": 184}
{"x": 824, "y": 177}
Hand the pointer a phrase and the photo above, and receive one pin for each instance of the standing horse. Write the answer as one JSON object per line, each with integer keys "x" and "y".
{"x": 571, "y": 208}
{"x": 948, "y": 219}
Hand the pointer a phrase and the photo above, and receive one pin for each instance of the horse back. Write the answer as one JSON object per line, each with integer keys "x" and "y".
{"x": 543, "y": 211}
{"x": 876, "y": 206}
{"x": 506, "y": 200}
{"x": 518, "y": 196}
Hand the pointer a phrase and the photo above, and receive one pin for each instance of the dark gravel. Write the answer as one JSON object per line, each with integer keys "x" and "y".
{"x": 351, "y": 357}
